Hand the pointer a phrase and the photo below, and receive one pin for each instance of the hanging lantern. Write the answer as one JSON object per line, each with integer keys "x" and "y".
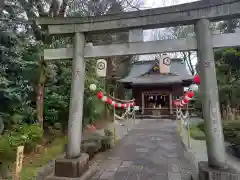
{"x": 196, "y": 79}
{"x": 119, "y": 105}
{"x": 185, "y": 100}
{"x": 109, "y": 101}
{"x": 181, "y": 103}
{"x": 113, "y": 103}
{"x": 190, "y": 94}
{"x": 100, "y": 95}
{"x": 104, "y": 98}
{"x": 174, "y": 102}
{"x": 122, "y": 106}
{"x": 193, "y": 87}
{"x": 116, "y": 105}
{"x": 93, "y": 87}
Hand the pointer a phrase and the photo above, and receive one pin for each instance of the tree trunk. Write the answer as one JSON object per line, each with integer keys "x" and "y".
{"x": 40, "y": 103}
{"x": 40, "y": 93}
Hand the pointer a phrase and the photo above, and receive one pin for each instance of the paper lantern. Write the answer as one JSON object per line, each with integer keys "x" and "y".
{"x": 93, "y": 87}
{"x": 190, "y": 94}
{"x": 185, "y": 100}
{"x": 100, "y": 95}
{"x": 196, "y": 79}
{"x": 122, "y": 105}
{"x": 104, "y": 98}
{"x": 113, "y": 103}
{"x": 193, "y": 87}
{"x": 181, "y": 104}
{"x": 116, "y": 105}
{"x": 109, "y": 101}
{"x": 188, "y": 98}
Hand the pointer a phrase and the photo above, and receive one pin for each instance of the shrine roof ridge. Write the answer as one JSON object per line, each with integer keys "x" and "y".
{"x": 154, "y": 61}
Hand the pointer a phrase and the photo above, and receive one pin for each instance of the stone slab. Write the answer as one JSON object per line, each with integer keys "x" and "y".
{"x": 72, "y": 168}
{"x": 209, "y": 173}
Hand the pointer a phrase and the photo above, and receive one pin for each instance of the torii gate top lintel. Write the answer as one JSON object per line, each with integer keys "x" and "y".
{"x": 188, "y": 13}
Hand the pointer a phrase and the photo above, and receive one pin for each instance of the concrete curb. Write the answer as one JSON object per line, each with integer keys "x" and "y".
{"x": 90, "y": 172}
{"x": 191, "y": 159}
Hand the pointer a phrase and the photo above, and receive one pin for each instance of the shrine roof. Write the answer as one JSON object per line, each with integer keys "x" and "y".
{"x": 139, "y": 73}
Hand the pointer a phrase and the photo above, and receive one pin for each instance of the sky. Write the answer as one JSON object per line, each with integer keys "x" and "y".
{"x": 148, "y": 4}
{"x": 160, "y": 3}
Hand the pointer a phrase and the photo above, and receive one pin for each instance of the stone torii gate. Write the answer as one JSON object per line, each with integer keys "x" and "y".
{"x": 199, "y": 13}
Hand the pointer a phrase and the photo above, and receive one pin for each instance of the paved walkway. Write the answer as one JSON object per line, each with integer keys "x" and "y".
{"x": 152, "y": 150}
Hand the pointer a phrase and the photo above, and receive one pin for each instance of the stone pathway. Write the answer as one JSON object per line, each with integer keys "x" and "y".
{"x": 152, "y": 150}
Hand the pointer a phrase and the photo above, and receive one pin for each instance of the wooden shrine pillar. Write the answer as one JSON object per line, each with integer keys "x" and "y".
{"x": 170, "y": 103}
{"x": 143, "y": 103}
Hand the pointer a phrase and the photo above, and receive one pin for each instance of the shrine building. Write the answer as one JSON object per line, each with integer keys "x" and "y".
{"x": 156, "y": 83}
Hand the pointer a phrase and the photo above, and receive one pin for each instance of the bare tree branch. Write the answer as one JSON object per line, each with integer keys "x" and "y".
{"x": 63, "y": 8}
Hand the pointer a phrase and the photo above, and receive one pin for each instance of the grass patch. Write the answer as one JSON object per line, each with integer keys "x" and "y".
{"x": 197, "y": 134}
{"x": 31, "y": 165}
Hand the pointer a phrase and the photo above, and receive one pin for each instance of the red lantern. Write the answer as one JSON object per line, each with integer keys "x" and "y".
{"x": 109, "y": 101}
{"x": 122, "y": 105}
{"x": 174, "y": 102}
{"x": 100, "y": 95}
{"x": 196, "y": 79}
{"x": 185, "y": 101}
{"x": 116, "y": 105}
{"x": 181, "y": 104}
{"x": 190, "y": 94}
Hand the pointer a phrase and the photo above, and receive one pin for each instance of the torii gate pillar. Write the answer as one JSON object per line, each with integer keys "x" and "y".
{"x": 210, "y": 104}
{"x": 75, "y": 163}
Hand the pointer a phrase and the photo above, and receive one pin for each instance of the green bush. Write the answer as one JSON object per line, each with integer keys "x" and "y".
{"x": 231, "y": 131}
{"x": 201, "y": 126}
{"x": 197, "y": 134}
{"x": 21, "y": 135}
{"x": 7, "y": 152}
{"x": 27, "y": 135}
